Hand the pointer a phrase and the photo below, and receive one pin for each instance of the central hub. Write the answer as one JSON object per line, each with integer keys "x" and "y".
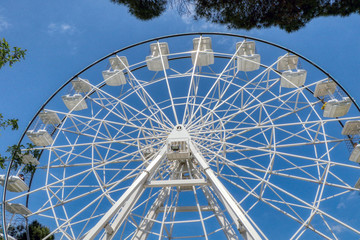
{"x": 178, "y": 144}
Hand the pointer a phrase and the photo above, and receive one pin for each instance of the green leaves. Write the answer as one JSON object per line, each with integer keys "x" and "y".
{"x": 15, "y": 153}
{"x": 11, "y": 56}
{"x": 8, "y": 55}
{"x": 36, "y": 231}
{"x": 4, "y": 123}
{"x": 290, "y": 15}
{"x": 144, "y": 9}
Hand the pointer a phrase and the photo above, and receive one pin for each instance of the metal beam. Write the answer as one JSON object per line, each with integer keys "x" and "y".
{"x": 122, "y": 215}
{"x": 239, "y": 216}
{"x": 177, "y": 183}
{"x": 186, "y": 209}
{"x": 220, "y": 216}
{"x": 146, "y": 224}
{"x": 134, "y": 188}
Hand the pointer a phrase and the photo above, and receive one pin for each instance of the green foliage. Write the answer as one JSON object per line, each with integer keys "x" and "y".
{"x": 36, "y": 231}
{"x": 11, "y": 56}
{"x": 15, "y": 153}
{"x": 289, "y": 15}
{"x": 12, "y": 231}
{"x": 13, "y": 123}
{"x": 8, "y": 55}
{"x": 4, "y": 123}
{"x": 144, "y": 9}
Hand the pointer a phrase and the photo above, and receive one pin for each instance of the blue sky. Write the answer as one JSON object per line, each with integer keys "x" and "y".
{"x": 62, "y": 39}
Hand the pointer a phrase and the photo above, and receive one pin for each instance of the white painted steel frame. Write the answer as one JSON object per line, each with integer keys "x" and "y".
{"x": 241, "y": 128}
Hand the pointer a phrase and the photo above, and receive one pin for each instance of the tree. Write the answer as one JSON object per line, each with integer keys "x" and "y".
{"x": 5, "y": 123}
{"x": 36, "y": 231}
{"x": 15, "y": 153}
{"x": 8, "y": 55}
{"x": 144, "y": 9}
{"x": 290, "y": 15}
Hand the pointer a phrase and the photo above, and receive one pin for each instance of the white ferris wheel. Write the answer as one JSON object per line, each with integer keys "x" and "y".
{"x": 193, "y": 136}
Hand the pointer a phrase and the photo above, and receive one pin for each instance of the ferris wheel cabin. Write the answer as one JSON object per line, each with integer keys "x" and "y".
{"x": 202, "y": 54}
{"x": 158, "y": 60}
{"x": 15, "y": 184}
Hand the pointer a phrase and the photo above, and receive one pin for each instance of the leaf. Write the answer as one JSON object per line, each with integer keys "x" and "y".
{"x": 8, "y": 55}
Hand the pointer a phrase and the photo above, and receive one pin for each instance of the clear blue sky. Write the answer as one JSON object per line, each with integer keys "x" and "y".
{"x": 61, "y": 39}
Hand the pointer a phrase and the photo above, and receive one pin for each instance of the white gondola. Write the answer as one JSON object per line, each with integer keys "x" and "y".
{"x": 114, "y": 78}
{"x": 203, "y": 54}
{"x": 81, "y": 85}
{"x": 15, "y": 184}
{"x": 337, "y": 108}
{"x": 293, "y": 79}
{"x": 178, "y": 150}
{"x": 156, "y": 63}
{"x": 351, "y": 127}
{"x": 119, "y": 63}
{"x": 245, "y": 48}
{"x": 29, "y": 159}
{"x": 204, "y": 44}
{"x": 17, "y": 208}
{"x": 161, "y": 47}
{"x": 324, "y": 88}
{"x": 74, "y": 102}
{"x": 247, "y": 60}
{"x": 49, "y": 117}
{"x": 40, "y": 137}
{"x": 158, "y": 60}
{"x": 204, "y": 58}
{"x": 248, "y": 63}
{"x": 355, "y": 154}
{"x": 287, "y": 62}
{"x": 357, "y": 184}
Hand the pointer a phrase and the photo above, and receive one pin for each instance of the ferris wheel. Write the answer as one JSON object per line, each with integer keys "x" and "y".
{"x": 193, "y": 136}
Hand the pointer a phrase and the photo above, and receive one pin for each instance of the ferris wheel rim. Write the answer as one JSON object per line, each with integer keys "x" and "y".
{"x": 179, "y": 35}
